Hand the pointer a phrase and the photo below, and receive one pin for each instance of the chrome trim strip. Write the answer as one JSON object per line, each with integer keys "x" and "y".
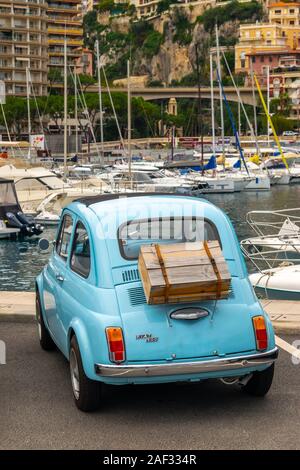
{"x": 180, "y": 368}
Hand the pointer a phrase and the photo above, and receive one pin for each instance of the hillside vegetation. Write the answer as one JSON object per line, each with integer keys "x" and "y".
{"x": 163, "y": 48}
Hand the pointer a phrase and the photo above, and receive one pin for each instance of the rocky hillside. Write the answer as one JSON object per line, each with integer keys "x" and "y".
{"x": 163, "y": 49}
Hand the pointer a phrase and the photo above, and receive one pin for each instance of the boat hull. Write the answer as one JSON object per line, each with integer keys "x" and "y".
{"x": 259, "y": 184}
{"x": 276, "y": 294}
{"x": 279, "y": 283}
{"x": 8, "y": 233}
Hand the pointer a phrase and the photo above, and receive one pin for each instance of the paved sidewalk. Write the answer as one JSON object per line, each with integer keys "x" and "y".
{"x": 17, "y": 306}
{"x": 20, "y": 306}
{"x": 284, "y": 314}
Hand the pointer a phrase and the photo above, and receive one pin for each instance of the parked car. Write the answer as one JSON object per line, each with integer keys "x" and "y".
{"x": 90, "y": 301}
{"x": 290, "y": 133}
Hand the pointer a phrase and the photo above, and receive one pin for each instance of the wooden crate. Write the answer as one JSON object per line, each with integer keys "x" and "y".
{"x": 183, "y": 272}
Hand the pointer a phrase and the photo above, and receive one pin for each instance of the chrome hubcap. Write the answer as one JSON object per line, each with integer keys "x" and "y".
{"x": 74, "y": 374}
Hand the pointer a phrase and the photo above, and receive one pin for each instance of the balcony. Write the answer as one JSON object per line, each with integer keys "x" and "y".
{"x": 6, "y": 65}
{"x": 5, "y": 11}
{"x": 6, "y": 36}
{"x": 5, "y": 51}
{"x": 73, "y": 32}
{"x": 57, "y": 19}
{"x": 64, "y": 8}
{"x": 71, "y": 42}
{"x": 60, "y": 53}
{"x": 20, "y": 24}
{"x": 5, "y": 24}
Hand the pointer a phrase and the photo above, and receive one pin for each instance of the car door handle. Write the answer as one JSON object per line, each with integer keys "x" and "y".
{"x": 60, "y": 277}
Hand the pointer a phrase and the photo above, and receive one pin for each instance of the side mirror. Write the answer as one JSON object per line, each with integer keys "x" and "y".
{"x": 43, "y": 244}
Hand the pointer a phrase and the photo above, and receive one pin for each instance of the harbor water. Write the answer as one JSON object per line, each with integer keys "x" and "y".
{"x": 21, "y": 261}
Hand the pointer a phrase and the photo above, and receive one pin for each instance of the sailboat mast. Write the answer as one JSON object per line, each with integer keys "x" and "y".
{"x": 253, "y": 98}
{"x": 100, "y": 101}
{"x": 200, "y": 118}
{"x": 28, "y": 109}
{"x": 129, "y": 122}
{"x": 213, "y": 131}
{"x": 268, "y": 101}
{"x": 76, "y": 111}
{"x": 270, "y": 122}
{"x": 220, "y": 90}
{"x": 65, "y": 109}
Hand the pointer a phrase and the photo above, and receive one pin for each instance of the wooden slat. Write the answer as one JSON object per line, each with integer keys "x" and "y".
{"x": 188, "y": 269}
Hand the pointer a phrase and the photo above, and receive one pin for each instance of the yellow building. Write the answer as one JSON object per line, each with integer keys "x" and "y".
{"x": 282, "y": 32}
{"x": 64, "y": 21}
{"x": 285, "y": 14}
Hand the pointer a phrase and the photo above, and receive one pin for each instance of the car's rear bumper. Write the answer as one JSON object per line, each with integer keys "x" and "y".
{"x": 182, "y": 368}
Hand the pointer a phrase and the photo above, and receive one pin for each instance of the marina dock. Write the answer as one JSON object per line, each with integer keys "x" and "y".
{"x": 19, "y": 306}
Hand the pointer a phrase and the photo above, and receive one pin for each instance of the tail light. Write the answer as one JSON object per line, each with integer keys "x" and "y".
{"x": 261, "y": 334}
{"x": 115, "y": 342}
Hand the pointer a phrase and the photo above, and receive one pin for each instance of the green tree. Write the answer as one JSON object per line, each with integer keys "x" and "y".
{"x": 105, "y": 5}
{"x": 152, "y": 44}
{"x": 281, "y": 105}
{"x": 164, "y": 5}
{"x": 183, "y": 27}
{"x": 15, "y": 111}
{"x": 243, "y": 12}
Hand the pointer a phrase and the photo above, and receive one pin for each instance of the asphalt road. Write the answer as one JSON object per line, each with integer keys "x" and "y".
{"x": 37, "y": 410}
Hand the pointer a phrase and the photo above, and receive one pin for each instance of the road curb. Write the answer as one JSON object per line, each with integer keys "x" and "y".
{"x": 288, "y": 328}
{"x": 19, "y": 307}
{"x": 17, "y": 317}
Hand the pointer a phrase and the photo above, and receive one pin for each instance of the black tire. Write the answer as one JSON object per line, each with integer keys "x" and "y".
{"x": 260, "y": 382}
{"x": 86, "y": 392}
{"x": 46, "y": 341}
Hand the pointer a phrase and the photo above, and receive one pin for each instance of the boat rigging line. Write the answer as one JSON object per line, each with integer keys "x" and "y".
{"x": 233, "y": 124}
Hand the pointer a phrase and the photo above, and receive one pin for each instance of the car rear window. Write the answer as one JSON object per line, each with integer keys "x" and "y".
{"x": 133, "y": 234}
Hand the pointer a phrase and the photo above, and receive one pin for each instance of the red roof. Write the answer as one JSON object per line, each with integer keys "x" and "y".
{"x": 284, "y": 4}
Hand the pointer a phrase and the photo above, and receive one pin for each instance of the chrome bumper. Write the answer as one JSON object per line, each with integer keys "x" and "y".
{"x": 182, "y": 368}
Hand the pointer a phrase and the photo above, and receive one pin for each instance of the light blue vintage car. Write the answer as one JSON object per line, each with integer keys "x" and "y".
{"x": 90, "y": 301}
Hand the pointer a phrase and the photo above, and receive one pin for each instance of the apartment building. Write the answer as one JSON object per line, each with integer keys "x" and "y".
{"x": 257, "y": 37}
{"x": 64, "y": 22}
{"x": 285, "y": 14}
{"x": 23, "y": 44}
{"x": 280, "y": 34}
{"x": 145, "y": 7}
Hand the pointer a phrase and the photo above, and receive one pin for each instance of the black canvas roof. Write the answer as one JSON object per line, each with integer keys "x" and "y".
{"x": 89, "y": 200}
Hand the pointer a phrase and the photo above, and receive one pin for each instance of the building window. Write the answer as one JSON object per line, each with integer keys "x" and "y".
{"x": 270, "y": 59}
{"x": 277, "y": 12}
{"x": 292, "y": 23}
{"x": 262, "y": 59}
{"x": 243, "y": 59}
{"x": 253, "y": 59}
{"x": 292, "y": 12}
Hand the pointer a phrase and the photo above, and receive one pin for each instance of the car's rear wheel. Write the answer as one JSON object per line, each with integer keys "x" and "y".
{"x": 260, "y": 382}
{"x": 86, "y": 392}
{"x": 46, "y": 341}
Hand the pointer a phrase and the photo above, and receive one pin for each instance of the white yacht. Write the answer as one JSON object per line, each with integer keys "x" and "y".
{"x": 13, "y": 221}
{"x": 34, "y": 184}
{"x": 155, "y": 181}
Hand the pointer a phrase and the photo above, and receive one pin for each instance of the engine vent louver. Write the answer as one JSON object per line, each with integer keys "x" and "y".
{"x": 130, "y": 275}
{"x": 136, "y": 296}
